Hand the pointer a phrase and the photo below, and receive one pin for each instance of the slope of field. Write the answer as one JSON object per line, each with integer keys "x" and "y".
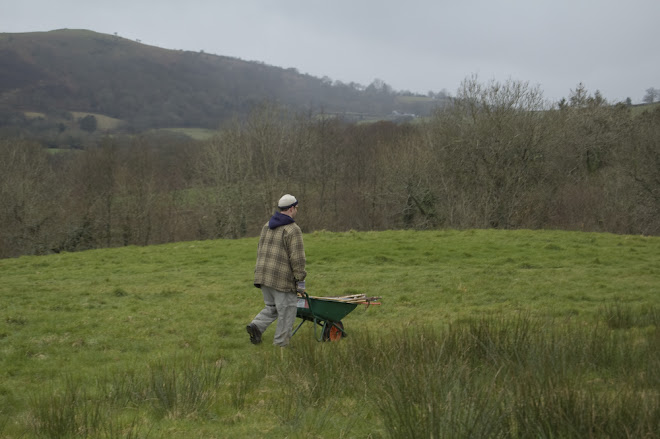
{"x": 108, "y": 324}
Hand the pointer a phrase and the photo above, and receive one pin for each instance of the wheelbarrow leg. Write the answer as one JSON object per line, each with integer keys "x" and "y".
{"x": 322, "y": 324}
{"x": 298, "y": 327}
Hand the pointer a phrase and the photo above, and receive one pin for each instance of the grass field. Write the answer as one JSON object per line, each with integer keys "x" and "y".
{"x": 639, "y": 109}
{"x": 104, "y": 123}
{"x": 193, "y": 133}
{"x": 481, "y": 333}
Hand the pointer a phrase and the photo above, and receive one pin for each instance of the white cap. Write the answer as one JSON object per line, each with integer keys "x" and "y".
{"x": 287, "y": 201}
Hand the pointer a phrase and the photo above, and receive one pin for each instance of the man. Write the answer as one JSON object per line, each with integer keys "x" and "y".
{"x": 280, "y": 272}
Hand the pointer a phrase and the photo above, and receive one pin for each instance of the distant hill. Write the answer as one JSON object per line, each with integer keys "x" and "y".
{"x": 146, "y": 87}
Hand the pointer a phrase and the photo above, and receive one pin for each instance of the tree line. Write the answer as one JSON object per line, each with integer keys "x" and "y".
{"x": 497, "y": 157}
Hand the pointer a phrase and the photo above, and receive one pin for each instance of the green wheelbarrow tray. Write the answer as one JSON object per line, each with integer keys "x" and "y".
{"x": 327, "y": 312}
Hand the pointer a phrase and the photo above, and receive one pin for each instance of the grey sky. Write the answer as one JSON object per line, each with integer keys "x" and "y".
{"x": 416, "y": 45}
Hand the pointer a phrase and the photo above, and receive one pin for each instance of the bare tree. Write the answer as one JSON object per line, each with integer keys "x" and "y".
{"x": 488, "y": 146}
{"x": 642, "y": 164}
{"x": 325, "y": 169}
{"x": 268, "y": 136}
{"x": 137, "y": 193}
{"x": 652, "y": 95}
{"x": 28, "y": 199}
{"x": 226, "y": 178}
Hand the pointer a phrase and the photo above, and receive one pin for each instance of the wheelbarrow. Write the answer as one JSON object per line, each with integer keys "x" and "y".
{"x": 327, "y": 313}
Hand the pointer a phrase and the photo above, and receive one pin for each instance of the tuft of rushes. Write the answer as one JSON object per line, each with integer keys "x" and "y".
{"x": 180, "y": 389}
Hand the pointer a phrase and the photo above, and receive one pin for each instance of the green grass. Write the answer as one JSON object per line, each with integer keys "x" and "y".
{"x": 104, "y": 123}
{"x": 481, "y": 333}
{"x": 414, "y": 99}
{"x": 193, "y": 133}
{"x": 641, "y": 108}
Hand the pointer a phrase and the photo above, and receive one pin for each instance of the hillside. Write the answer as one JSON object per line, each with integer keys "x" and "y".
{"x": 151, "y": 87}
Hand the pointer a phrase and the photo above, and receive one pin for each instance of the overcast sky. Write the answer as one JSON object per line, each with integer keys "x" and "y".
{"x": 419, "y": 45}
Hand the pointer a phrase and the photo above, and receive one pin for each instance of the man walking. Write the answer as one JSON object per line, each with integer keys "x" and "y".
{"x": 280, "y": 272}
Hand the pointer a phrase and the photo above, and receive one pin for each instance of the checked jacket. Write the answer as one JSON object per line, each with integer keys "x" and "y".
{"x": 280, "y": 258}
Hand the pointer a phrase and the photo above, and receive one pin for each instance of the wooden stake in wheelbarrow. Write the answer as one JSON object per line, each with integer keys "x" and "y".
{"x": 327, "y": 313}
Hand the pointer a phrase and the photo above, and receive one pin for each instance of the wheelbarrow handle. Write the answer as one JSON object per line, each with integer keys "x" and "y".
{"x": 309, "y": 303}
{"x": 315, "y": 320}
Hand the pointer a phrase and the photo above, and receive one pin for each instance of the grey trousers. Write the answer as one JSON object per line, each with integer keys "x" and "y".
{"x": 280, "y": 306}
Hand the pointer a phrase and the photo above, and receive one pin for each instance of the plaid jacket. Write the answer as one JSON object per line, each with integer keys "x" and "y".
{"x": 280, "y": 258}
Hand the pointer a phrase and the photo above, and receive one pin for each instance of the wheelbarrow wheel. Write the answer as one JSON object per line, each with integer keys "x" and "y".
{"x": 332, "y": 332}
